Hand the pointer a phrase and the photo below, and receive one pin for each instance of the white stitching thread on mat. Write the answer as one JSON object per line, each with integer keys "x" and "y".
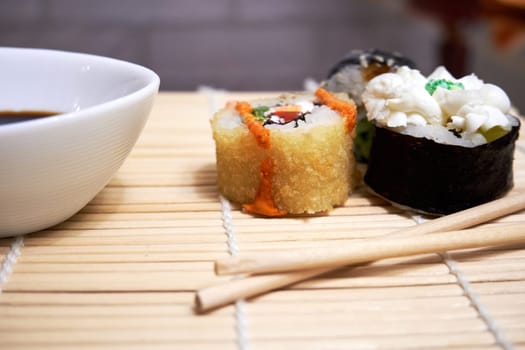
{"x": 473, "y": 297}
{"x": 227, "y": 222}
{"x": 10, "y": 260}
{"x": 483, "y": 312}
{"x": 233, "y": 249}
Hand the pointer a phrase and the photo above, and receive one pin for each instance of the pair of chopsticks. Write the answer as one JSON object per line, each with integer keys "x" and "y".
{"x": 266, "y": 272}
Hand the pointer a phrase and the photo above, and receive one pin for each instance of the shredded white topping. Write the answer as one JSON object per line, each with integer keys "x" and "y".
{"x": 391, "y": 99}
{"x": 400, "y": 99}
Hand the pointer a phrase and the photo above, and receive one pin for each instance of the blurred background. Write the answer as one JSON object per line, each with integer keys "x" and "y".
{"x": 276, "y": 44}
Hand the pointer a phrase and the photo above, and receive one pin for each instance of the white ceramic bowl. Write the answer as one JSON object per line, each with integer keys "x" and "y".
{"x": 52, "y": 167}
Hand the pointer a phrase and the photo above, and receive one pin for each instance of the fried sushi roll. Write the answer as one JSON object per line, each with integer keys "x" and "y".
{"x": 441, "y": 144}
{"x": 289, "y": 155}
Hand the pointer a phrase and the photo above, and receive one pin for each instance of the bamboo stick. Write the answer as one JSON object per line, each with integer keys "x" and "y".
{"x": 223, "y": 294}
{"x": 351, "y": 253}
{"x": 215, "y": 296}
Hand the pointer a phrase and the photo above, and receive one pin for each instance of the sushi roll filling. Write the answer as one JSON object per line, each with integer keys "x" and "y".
{"x": 260, "y": 118}
{"x": 282, "y": 114}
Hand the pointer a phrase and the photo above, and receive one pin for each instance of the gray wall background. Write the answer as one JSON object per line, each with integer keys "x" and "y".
{"x": 247, "y": 44}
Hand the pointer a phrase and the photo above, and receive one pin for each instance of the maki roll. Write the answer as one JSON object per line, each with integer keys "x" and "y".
{"x": 441, "y": 144}
{"x": 288, "y": 155}
{"x": 358, "y": 67}
{"x": 350, "y": 75}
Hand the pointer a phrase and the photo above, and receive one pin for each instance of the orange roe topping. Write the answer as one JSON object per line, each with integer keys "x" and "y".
{"x": 346, "y": 109}
{"x": 263, "y": 203}
{"x": 261, "y": 134}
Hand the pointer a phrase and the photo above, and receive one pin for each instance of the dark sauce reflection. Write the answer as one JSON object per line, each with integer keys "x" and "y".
{"x": 9, "y": 117}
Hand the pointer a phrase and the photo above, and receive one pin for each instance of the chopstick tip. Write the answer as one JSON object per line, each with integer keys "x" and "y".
{"x": 198, "y": 307}
{"x": 226, "y": 266}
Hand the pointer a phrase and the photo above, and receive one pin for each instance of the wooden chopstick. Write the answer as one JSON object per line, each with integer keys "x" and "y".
{"x": 236, "y": 289}
{"x": 215, "y": 296}
{"x": 350, "y": 253}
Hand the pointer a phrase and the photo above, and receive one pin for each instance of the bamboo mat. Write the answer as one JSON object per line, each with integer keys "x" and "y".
{"x": 121, "y": 273}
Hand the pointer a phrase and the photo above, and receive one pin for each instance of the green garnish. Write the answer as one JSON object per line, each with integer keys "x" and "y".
{"x": 493, "y": 133}
{"x": 433, "y": 84}
{"x": 364, "y": 135}
{"x": 258, "y": 112}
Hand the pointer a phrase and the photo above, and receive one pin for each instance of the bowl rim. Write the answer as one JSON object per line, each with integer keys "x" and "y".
{"x": 150, "y": 88}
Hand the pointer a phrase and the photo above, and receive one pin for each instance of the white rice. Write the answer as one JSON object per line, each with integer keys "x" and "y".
{"x": 441, "y": 134}
{"x": 320, "y": 115}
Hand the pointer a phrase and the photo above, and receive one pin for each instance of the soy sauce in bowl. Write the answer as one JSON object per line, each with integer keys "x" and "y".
{"x": 8, "y": 117}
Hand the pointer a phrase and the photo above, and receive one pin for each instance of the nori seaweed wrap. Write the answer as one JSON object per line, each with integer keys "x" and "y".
{"x": 437, "y": 178}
